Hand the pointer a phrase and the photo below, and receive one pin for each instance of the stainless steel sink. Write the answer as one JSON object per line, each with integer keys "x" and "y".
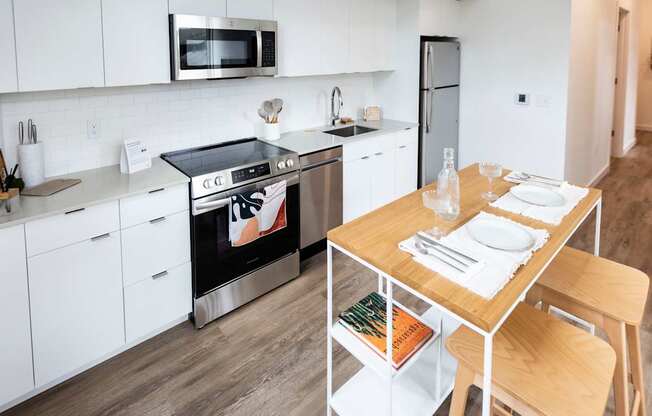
{"x": 350, "y": 131}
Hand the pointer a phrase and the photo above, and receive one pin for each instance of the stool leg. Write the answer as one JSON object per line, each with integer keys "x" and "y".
{"x": 635, "y": 360}
{"x": 616, "y": 332}
{"x": 463, "y": 380}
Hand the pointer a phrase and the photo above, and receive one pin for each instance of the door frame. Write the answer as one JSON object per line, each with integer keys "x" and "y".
{"x": 621, "y": 81}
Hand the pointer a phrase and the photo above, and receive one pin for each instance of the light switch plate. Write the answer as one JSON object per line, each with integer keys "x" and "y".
{"x": 93, "y": 129}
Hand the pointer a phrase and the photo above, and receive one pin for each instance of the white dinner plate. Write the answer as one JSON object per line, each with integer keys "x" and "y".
{"x": 538, "y": 195}
{"x": 501, "y": 235}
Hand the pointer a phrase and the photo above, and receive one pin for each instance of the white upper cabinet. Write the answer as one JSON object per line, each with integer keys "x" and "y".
{"x": 299, "y": 37}
{"x": 363, "y": 32}
{"x": 250, "y": 9}
{"x": 136, "y": 42}
{"x": 8, "y": 80}
{"x": 385, "y": 34}
{"x": 16, "y": 374}
{"x": 334, "y": 45}
{"x": 215, "y": 8}
{"x": 59, "y": 44}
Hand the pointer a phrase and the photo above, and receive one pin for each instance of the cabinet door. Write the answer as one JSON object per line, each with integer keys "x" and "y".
{"x": 136, "y": 42}
{"x": 385, "y": 34}
{"x": 16, "y": 376}
{"x": 59, "y": 44}
{"x": 77, "y": 306}
{"x": 382, "y": 178}
{"x": 363, "y": 33}
{"x": 299, "y": 37}
{"x": 407, "y": 153}
{"x": 357, "y": 188}
{"x": 250, "y": 9}
{"x": 335, "y": 47}
{"x": 8, "y": 80}
{"x": 215, "y": 8}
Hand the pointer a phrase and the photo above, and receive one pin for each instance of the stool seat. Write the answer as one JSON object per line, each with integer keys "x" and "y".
{"x": 613, "y": 289}
{"x": 545, "y": 363}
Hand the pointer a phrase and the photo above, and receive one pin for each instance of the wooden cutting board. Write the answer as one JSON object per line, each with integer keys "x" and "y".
{"x": 50, "y": 187}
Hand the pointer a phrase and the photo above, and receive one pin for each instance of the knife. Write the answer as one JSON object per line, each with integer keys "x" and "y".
{"x": 21, "y": 132}
{"x": 29, "y": 131}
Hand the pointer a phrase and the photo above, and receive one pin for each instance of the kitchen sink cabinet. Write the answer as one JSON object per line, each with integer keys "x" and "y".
{"x": 378, "y": 170}
{"x": 58, "y": 44}
{"x": 214, "y": 8}
{"x": 16, "y": 375}
{"x": 8, "y": 76}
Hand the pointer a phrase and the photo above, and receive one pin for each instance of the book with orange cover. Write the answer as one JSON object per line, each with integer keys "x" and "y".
{"x": 367, "y": 320}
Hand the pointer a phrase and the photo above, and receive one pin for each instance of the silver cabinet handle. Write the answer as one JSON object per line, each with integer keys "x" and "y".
{"x": 160, "y": 275}
{"x": 101, "y": 237}
{"x": 402, "y": 147}
{"x": 157, "y": 190}
{"x": 74, "y": 211}
{"x": 157, "y": 220}
{"x": 365, "y": 157}
{"x": 378, "y": 154}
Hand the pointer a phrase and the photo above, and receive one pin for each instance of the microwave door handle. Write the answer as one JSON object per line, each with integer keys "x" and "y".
{"x": 259, "y": 48}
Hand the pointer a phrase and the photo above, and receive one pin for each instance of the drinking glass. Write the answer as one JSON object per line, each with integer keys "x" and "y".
{"x": 434, "y": 201}
{"x": 491, "y": 171}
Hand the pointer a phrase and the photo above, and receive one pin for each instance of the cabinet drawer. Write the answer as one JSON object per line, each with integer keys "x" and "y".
{"x": 406, "y": 137}
{"x": 76, "y": 306}
{"x": 72, "y": 227}
{"x": 369, "y": 147}
{"x": 155, "y": 246}
{"x": 157, "y": 301}
{"x": 155, "y": 204}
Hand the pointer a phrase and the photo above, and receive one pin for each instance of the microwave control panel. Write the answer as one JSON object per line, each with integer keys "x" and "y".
{"x": 269, "y": 49}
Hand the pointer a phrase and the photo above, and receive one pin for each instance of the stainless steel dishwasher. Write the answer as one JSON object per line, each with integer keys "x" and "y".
{"x": 321, "y": 194}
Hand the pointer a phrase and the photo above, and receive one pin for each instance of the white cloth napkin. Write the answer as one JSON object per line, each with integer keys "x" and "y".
{"x": 496, "y": 267}
{"x": 549, "y": 215}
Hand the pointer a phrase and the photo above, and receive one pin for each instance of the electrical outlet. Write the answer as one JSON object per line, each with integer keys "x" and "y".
{"x": 522, "y": 99}
{"x": 93, "y": 129}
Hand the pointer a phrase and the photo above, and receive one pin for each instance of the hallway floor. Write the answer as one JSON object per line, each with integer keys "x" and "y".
{"x": 268, "y": 358}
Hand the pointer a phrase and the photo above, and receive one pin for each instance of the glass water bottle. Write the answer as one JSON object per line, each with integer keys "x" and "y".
{"x": 448, "y": 187}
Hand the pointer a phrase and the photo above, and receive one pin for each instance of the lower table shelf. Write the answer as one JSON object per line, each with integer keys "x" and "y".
{"x": 414, "y": 391}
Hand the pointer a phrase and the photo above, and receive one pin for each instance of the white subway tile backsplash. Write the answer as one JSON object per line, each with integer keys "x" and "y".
{"x": 167, "y": 117}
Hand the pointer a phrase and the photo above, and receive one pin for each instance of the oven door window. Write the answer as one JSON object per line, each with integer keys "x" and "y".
{"x": 217, "y": 263}
{"x": 217, "y": 49}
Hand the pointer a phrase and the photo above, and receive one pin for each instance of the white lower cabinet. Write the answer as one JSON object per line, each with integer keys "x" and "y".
{"x": 16, "y": 374}
{"x": 379, "y": 170}
{"x": 77, "y": 306}
{"x": 157, "y": 300}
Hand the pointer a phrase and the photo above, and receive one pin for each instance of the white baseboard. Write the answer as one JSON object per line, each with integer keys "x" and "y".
{"x": 90, "y": 365}
{"x": 630, "y": 145}
{"x": 601, "y": 174}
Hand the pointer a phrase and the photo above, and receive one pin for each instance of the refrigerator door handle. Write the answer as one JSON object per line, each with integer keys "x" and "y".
{"x": 428, "y": 110}
{"x": 429, "y": 67}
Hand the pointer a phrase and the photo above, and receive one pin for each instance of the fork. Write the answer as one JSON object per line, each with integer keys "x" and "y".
{"x": 421, "y": 248}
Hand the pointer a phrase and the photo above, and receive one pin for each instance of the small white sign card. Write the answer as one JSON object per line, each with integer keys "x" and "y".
{"x": 135, "y": 157}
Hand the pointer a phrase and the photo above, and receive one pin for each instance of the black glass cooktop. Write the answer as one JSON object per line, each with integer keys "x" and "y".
{"x": 229, "y": 155}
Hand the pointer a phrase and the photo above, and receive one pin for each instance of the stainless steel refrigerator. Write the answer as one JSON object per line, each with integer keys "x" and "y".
{"x": 438, "y": 105}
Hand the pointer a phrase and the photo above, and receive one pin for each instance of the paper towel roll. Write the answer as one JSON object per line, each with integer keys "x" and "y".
{"x": 32, "y": 166}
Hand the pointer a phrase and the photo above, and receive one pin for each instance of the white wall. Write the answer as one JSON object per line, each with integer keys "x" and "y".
{"x": 631, "y": 92}
{"x": 511, "y": 46}
{"x": 644, "y": 119}
{"x": 591, "y": 88}
{"x": 168, "y": 117}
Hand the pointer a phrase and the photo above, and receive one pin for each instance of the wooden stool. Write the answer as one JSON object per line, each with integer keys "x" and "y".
{"x": 542, "y": 366}
{"x": 609, "y": 295}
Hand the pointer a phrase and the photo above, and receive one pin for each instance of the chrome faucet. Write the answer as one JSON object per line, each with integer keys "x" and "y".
{"x": 335, "y": 117}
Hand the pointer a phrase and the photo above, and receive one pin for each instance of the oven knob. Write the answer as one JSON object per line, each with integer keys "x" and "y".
{"x": 219, "y": 181}
{"x": 281, "y": 165}
{"x": 289, "y": 163}
{"x": 208, "y": 184}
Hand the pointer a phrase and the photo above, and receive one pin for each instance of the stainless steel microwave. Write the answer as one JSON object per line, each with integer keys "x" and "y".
{"x": 217, "y": 47}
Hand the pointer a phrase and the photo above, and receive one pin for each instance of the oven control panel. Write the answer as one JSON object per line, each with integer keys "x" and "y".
{"x": 252, "y": 172}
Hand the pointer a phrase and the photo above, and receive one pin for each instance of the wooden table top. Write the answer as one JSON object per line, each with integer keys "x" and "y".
{"x": 374, "y": 238}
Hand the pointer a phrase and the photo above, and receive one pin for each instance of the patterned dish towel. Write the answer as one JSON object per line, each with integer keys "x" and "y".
{"x": 257, "y": 214}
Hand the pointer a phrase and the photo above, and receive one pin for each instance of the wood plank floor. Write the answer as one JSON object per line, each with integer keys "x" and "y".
{"x": 268, "y": 358}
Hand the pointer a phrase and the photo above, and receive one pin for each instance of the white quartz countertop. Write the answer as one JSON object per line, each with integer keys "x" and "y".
{"x": 314, "y": 139}
{"x": 97, "y": 186}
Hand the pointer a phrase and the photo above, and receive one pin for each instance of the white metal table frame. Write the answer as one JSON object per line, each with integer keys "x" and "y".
{"x": 390, "y": 281}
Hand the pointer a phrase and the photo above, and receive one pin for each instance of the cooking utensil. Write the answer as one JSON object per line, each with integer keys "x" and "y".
{"x": 277, "y": 105}
{"x": 21, "y": 132}
{"x": 425, "y": 237}
{"x": 29, "y": 131}
{"x": 425, "y": 251}
{"x": 538, "y": 195}
{"x": 34, "y": 134}
{"x": 500, "y": 235}
{"x": 263, "y": 115}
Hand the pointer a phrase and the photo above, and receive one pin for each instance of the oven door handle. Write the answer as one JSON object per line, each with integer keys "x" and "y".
{"x": 210, "y": 206}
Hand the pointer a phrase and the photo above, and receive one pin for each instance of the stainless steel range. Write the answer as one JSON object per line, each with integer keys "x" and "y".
{"x": 228, "y": 273}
